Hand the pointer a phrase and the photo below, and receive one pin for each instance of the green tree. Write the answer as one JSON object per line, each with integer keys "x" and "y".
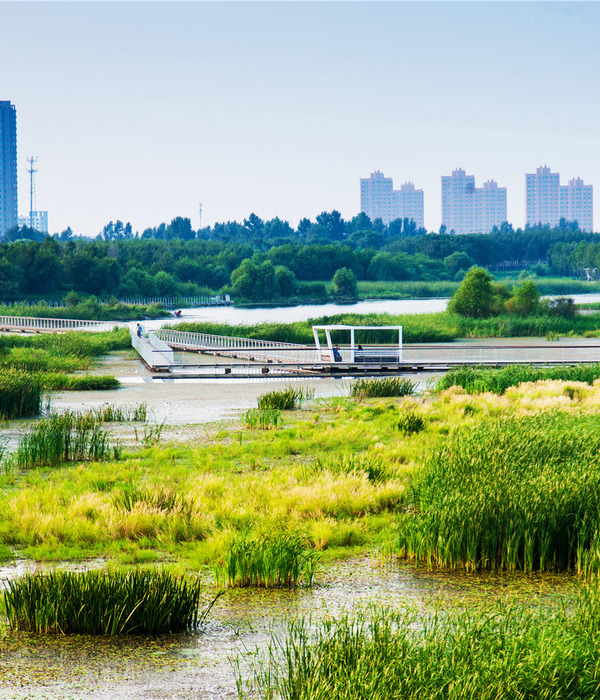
{"x": 475, "y": 295}
{"x": 288, "y": 284}
{"x": 525, "y": 299}
{"x": 344, "y": 283}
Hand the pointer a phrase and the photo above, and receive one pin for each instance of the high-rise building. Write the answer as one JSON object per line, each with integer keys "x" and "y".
{"x": 8, "y": 166}
{"x": 409, "y": 203}
{"x": 470, "y": 209}
{"x": 542, "y": 197}
{"x": 376, "y": 197}
{"x": 576, "y": 203}
{"x": 379, "y": 199}
{"x": 547, "y": 201}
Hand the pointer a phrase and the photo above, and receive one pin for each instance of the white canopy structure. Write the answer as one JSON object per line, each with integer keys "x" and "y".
{"x": 362, "y": 353}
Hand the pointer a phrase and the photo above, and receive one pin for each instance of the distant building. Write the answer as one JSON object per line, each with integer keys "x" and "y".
{"x": 576, "y": 203}
{"x": 379, "y": 199}
{"x": 409, "y": 204}
{"x": 37, "y": 220}
{"x": 470, "y": 209}
{"x": 542, "y": 197}
{"x": 8, "y": 166}
{"x": 547, "y": 201}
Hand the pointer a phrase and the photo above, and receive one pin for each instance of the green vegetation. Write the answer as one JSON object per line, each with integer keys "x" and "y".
{"x": 64, "y": 437}
{"x": 20, "y": 394}
{"x": 93, "y": 602}
{"x": 509, "y": 494}
{"x": 286, "y": 399}
{"x": 79, "y": 382}
{"x": 495, "y": 654}
{"x": 388, "y": 386}
{"x": 272, "y": 561}
{"x": 89, "y": 309}
{"x": 262, "y": 418}
{"x": 476, "y": 380}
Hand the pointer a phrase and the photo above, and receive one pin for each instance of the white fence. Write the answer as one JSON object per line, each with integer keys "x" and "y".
{"x": 54, "y": 324}
{"x": 266, "y": 350}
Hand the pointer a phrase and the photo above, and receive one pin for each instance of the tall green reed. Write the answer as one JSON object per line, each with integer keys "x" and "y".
{"x": 20, "y": 394}
{"x": 387, "y": 386}
{"x": 509, "y": 494}
{"x": 272, "y": 561}
{"x": 94, "y": 602}
{"x": 262, "y": 418}
{"x": 490, "y": 654}
{"x": 286, "y": 399}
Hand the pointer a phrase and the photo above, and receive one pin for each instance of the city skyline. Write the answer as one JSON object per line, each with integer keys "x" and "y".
{"x": 278, "y": 108}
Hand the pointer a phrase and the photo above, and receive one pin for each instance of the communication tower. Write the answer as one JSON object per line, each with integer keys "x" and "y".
{"x": 32, "y": 160}
{"x": 200, "y": 215}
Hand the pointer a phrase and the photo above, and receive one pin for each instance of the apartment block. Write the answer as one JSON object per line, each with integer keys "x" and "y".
{"x": 576, "y": 203}
{"x": 8, "y": 166}
{"x": 470, "y": 209}
{"x": 379, "y": 199}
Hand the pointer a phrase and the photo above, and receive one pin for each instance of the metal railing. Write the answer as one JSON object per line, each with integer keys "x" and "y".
{"x": 31, "y": 323}
{"x": 269, "y": 350}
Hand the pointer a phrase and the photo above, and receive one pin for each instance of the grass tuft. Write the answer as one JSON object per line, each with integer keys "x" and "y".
{"x": 286, "y": 400}
{"x": 388, "y": 386}
{"x": 262, "y": 418}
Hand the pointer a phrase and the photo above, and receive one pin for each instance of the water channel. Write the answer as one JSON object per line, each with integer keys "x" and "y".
{"x": 198, "y": 665}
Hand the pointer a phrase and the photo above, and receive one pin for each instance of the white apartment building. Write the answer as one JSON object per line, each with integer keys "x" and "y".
{"x": 542, "y": 197}
{"x": 379, "y": 199}
{"x": 547, "y": 201}
{"x": 37, "y": 220}
{"x": 576, "y": 203}
{"x": 470, "y": 209}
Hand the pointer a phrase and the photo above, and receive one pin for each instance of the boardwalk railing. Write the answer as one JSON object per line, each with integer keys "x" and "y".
{"x": 54, "y": 324}
{"x": 266, "y": 350}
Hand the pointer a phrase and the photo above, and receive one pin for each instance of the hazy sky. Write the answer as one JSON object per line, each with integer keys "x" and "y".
{"x": 142, "y": 110}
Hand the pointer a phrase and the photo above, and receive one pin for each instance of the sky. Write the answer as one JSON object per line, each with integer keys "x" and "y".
{"x": 140, "y": 111}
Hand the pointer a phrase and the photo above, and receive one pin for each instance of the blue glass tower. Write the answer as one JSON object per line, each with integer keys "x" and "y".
{"x": 8, "y": 166}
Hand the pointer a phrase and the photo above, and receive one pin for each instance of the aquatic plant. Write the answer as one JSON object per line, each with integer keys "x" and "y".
{"x": 491, "y": 654}
{"x": 103, "y": 603}
{"x": 20, "y": 394}
{"x": 477, "y": 380}
{"x": 272, "y": 561}
{"x": 387, "y": 386}
{"x": 286, "y": 399}
{"x": 64, "y": 437}
{"x": 262, "y": 418}
{"x": 120, "y": 414}
{"x": 509, "y": 494}
{"x": 80, "y": 382}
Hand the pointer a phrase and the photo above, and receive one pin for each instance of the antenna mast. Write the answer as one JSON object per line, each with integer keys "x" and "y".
{"x": 200, "y": 215}
{"x": 32, "y": 160}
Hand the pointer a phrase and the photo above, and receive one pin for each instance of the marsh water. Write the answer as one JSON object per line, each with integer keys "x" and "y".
{"x": 199, "y": 665}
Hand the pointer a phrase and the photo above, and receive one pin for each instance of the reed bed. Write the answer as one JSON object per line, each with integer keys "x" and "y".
{"x": 285, "y": 400}
{"x": 509, "y": 494}
{"x": 388, "y": 386}
{"x": 20, "y": 394}
{"x": 65, "y": 437}
{"x": 164, "y": 500}
{"x": 478, "y": 380}
{"x": 275, "y": 561}
{"x": 262, "y": 418}
{"x": 101, "y": 603}
{"x": 491, "y": 654}
{"x": 80, "y": 382}
{"x": 373, "y": 466}
{"x": 121, "y": 414}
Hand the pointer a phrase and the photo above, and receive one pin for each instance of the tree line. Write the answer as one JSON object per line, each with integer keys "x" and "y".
{"x": 267, "y": 260}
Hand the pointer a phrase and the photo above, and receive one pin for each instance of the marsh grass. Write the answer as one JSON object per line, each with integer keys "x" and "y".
{"x": 517, "y": 493}
{"x": 411, "y": 422}
{"x": 79, "y": 382}
{"x": 489, "y": 654}
{"x": 20, "y": 394}
{"x": 164, "y": 500}
{"x": 93, "y": 602}
{"x": 386, "y": 387}
{"x": 477, "y": 380}
{"x": 262, "y": 418}
{"x": 60, "y": 438}
{"x": 373, "y": 466}
{"x": 282, "y": 560}
{"x": 137, "y": 413}
{"x": 286, "y": 399}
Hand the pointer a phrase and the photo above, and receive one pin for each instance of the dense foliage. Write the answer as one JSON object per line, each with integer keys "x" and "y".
{"x": 269, "y": 260}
